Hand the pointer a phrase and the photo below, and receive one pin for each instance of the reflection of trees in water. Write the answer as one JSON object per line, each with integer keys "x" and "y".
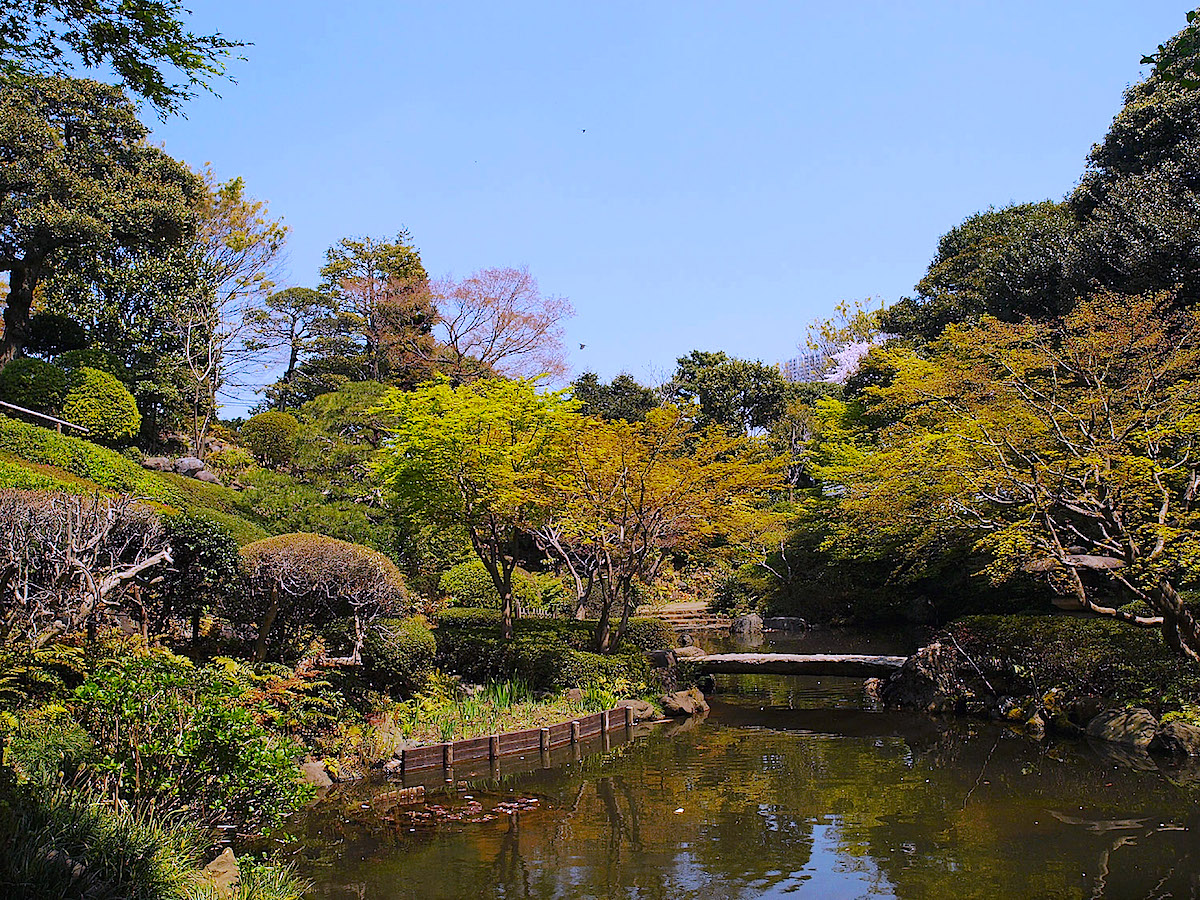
{"x": 957, "y": 810}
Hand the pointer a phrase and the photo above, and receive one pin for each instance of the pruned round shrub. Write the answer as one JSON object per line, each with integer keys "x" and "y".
{"x": 469, "y": 585}
{"x": 398, "y": 653}
{"x": 33, "y": 384}
{"x": 271, "y": 437}
{"x": 299, "y": 582}
{"x": 101, "y": 404}
{"x": 93, "y": 358}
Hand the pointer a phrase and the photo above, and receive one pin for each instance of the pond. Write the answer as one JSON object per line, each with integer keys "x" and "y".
{"x": 790, "y": 787}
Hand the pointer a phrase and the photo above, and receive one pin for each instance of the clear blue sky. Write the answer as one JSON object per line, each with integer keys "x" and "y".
{"x": 744, "y": 165}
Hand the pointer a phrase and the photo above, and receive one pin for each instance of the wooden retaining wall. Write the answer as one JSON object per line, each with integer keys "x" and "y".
{"x": 473, "y": 752}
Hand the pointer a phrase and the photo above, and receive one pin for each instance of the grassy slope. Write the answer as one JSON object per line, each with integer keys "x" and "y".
{"x": 35, "y": 458}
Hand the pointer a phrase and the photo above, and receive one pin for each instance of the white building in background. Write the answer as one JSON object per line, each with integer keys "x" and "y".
{"x": 829, "y": 363}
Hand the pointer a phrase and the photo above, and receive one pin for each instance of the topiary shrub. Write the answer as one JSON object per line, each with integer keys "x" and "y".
{"x": 271, "y": 437}
{"x": 398, "y": 654}
{"x": 299, "y": 582}
{"x": 33, "y": 384}
{"x": 93, "y": 358}
{"x": 101, "y": 404}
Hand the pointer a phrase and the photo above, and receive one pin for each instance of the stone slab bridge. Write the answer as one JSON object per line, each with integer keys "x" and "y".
{"x": 821, "y": 664}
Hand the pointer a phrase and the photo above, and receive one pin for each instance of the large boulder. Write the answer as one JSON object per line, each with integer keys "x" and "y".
{"x": 1176, "y": 739}
{"x": 188, "y": 465}
{"x": 747, "y": 625}
{"x": 684, "y": 703}
{"x": 208, "y": 476}
{"x": 929, "y": 681}
{"x": 689, "y": 652}
{"x": 1127, "y": 727}
{"x": 158, "y": 464}
{"x": 662, "y": 659}
{"x": 642, "y": 711}
{"x": 785, "y": 623}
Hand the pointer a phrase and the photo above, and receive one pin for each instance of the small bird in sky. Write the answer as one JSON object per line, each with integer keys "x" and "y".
{"x": 581, "y": 346}
{"x": 583, "y": 130}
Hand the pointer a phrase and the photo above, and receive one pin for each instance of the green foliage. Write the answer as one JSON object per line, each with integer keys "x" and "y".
{"x": 33, "y": 384}
{"x": 104, "y": 467}
{"x": 469, "y": 584}
{"x": 205, "y": 568}
{"x": 1083, "y": 656}
{"x": 93, "y": 358}
{"x": 101, "y": 404}
{"x": 229, "y": 462}
{"x": 168, "y": 734}
{"x": 1009, "y": 263}
{"x": 271, "y": 437}
{"x": 622, "y": 398}
{"x": 737, "y": 394}
{"x": 55, "y": 839}
{"x": 51, "y": 334}
{"x": 546, "y": 653}
{"x": 285, "y": 504}
{"x": 398, "y": 653}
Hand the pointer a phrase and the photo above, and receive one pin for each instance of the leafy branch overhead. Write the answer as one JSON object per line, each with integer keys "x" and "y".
{"x": 146, "y": 43}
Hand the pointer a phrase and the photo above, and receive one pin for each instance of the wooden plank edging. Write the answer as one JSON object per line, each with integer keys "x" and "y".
{"x": 542, "y": 739}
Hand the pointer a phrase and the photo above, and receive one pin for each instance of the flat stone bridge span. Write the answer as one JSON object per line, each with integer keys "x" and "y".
{"x": 821, "y": 664}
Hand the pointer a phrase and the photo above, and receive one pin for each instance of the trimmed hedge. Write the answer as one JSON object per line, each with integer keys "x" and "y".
{"x": 107, "y": 468}
{"x": 34, "y": 384}
{"x": 271, "y": 437}
{"x": 101, "y": 404}
{"x": 398, "y": 654}
{"x": 547, "y": 653}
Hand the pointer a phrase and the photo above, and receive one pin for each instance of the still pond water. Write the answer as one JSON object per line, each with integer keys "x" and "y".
{"x": 789, "y": 788}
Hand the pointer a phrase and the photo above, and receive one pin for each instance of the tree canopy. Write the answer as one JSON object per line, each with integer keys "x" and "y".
{"x": 145, "y": 42}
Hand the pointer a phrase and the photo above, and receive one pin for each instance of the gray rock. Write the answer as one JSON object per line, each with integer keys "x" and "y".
{"x": 684, "y": 703}
{"x": 1176, "y": 739}
{"x": 1127, "y": 727}
{"x": 208, "y": 476}
{"x": 393, "y": 765}
{"x": 1081, "y": 710}
{"x": 751, "y": 624}
{"x": 642, "y": 711}
{"x": 929, "y": 681}
{"x": 662, "y": 659}
{"x": 188, "y": 465}
{"x": 575, "y": 694}
{"x": 785, "y": 623}
{"x": 157, "y": 464}
{"x": 223, "y": 873}
{"x": 688, "y": 652}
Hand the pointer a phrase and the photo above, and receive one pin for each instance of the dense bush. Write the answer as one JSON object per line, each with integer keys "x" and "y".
{"x": 1082, "y": 656}
{"x": 298, "y": 582}
{"x": 271, "y": 437}
{"x": 285, "y": 504}
{"x": 398, "y": 654}
{"x": 205, "y": 568}
{"x": 468, "y": 584}
{"x": 93, "y": 358}
{"x": 101, "y": 404}
{"x": 547, "y": 653}
{"x": 34, "y": 384}
{"x": 168, "y": 734}
{"x": 54, "y": 333}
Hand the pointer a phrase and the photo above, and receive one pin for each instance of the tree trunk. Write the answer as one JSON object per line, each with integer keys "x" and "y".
{"x": 21, "y": 282}
{"x": 1180, "y": 629}
{"x": 264, "y": 627}
{"x": 506, "y": 612}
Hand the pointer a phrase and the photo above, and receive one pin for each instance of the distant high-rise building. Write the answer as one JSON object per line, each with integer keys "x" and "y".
{"x": 811, "y": 365}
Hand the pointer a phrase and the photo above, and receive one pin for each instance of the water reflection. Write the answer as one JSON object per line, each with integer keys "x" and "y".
{"x": 788, "y": 788}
